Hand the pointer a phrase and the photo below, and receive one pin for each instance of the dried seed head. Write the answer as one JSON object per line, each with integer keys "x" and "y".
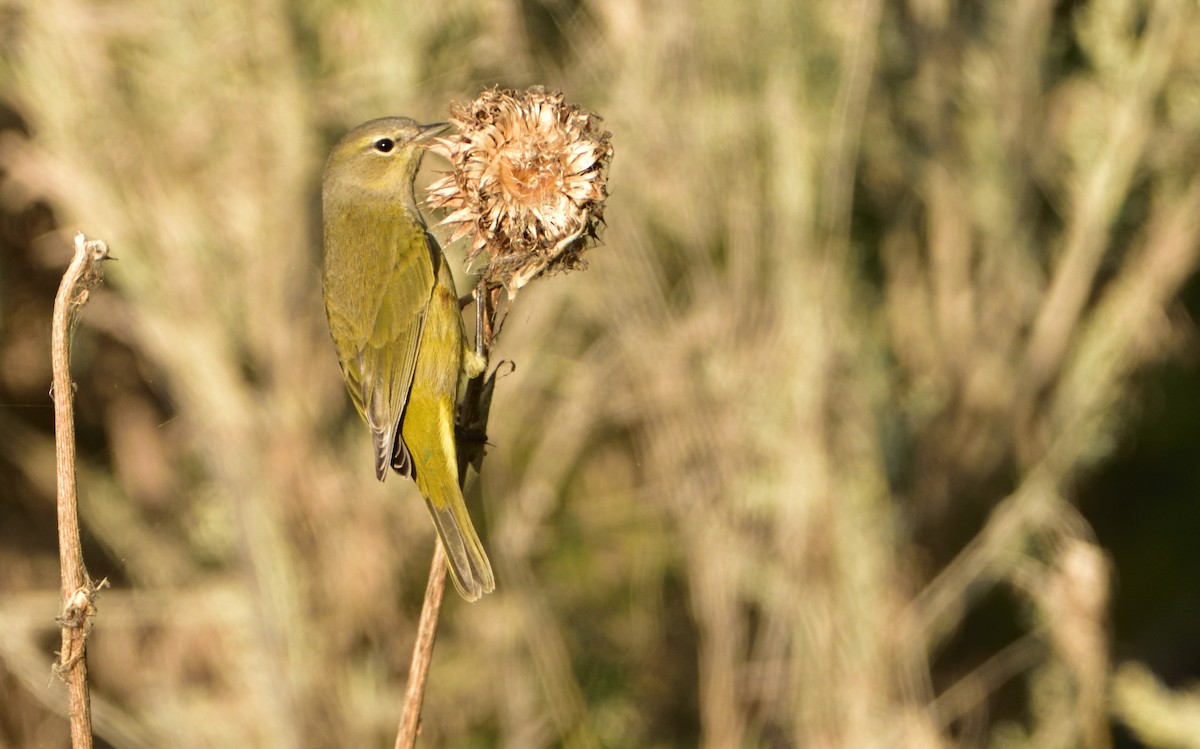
{"x": 528, "y": 184}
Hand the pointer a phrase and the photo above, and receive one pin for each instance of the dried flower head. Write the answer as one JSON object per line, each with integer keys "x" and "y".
{"x": 528, "y": 183}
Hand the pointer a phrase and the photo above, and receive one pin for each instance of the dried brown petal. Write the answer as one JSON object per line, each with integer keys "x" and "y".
{"x": 529, "y": 182}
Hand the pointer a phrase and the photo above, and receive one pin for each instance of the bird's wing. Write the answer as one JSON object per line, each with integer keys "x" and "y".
{"x": 380, "y": 321}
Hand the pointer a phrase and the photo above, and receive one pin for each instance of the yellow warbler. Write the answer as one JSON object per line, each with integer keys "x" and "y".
{"x": 394, "y": 317}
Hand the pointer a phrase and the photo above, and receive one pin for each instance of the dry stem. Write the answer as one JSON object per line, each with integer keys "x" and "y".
{"x": 418, "y": 670}
{"x": 474, "y": 420}
{"x": 78, "y": 591}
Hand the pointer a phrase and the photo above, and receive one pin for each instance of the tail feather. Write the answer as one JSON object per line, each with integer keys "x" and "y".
{"x": 468, "y": 563}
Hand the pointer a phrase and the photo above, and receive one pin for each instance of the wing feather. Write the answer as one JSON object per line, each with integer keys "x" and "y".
{"x": 382, "y": 282}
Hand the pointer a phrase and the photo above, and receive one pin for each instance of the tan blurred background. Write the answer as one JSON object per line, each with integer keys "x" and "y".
{"x": 872, "y": 423}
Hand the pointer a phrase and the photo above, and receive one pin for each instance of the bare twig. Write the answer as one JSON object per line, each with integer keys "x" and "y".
{"x": 78, "y": 590}
{"x": 521, "y": 239}
{"x": 470, "y": 452}
{"x": 418, "y": 670}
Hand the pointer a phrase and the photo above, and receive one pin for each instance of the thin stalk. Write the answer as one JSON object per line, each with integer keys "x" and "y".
{"x": 470, "y": 452}
{"x": 78, "y": 591}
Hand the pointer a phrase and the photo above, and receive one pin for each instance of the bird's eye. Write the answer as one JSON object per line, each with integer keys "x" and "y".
{"x": 383, "y": 145}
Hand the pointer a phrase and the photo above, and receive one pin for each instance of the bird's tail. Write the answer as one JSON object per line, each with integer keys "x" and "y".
{"x": 469, "y": 565}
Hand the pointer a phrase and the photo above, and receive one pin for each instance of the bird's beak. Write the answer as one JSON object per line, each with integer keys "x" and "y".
{"x": 429, "y": 131}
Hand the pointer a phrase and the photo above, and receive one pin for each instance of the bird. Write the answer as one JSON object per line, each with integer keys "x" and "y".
{"x": 395, "y": 321}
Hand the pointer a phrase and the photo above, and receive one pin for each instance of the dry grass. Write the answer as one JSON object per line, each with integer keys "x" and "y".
{"x": 875, "y": 272}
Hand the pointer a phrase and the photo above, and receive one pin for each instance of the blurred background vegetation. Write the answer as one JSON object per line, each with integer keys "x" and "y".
{"x": 872, "y": 424}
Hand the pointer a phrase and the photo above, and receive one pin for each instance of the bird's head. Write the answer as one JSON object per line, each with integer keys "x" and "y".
{"x": 379, "y": 156}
